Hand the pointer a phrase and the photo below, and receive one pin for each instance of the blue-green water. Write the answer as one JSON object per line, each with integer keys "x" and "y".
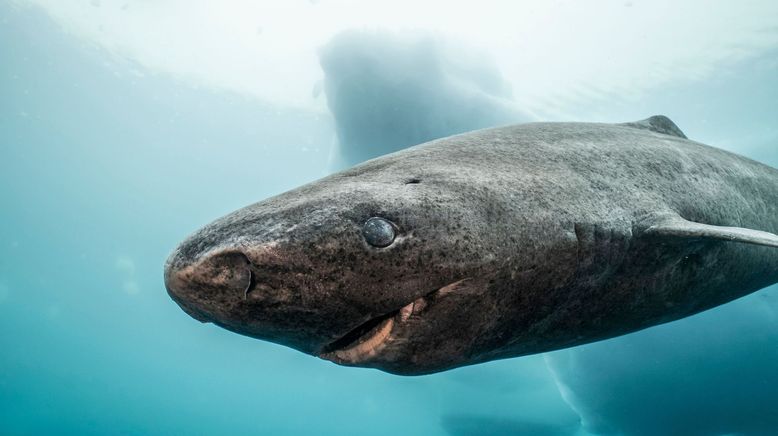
{"x": 105, "y": 166}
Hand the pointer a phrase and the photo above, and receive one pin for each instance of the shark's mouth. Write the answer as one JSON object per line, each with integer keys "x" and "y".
{"x": 370, "y": 338}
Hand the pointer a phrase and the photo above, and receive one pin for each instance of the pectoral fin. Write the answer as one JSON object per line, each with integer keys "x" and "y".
{"x": 681, "y": 228}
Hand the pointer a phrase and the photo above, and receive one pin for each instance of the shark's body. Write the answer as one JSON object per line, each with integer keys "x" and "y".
{"x": 504, "y": 242}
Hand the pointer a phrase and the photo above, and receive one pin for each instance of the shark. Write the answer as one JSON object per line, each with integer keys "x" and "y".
{"x": 487, "y": 245}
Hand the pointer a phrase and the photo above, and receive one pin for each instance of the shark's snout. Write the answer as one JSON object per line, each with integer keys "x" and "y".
{"x": 249, "y": 288}
{"x": 209, "y": 286}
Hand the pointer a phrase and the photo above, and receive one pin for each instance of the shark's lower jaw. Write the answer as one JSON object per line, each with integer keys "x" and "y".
{"x": 369, "y": 339}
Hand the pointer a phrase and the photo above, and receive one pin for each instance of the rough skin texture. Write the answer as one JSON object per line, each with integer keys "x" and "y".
{"x": 542, "y": 225}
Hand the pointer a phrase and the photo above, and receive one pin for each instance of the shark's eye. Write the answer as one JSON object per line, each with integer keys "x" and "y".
{"x": 378, "y": 232}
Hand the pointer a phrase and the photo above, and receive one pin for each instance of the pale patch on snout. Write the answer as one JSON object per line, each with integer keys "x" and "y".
{"x": 221, "y": 276}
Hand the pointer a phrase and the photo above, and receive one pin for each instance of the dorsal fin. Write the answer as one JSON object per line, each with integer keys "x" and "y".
{"x": 658, "y": 124}
{"x": 675, "y": 226}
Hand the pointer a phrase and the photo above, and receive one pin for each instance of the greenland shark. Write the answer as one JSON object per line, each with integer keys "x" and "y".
{"x": 487, "y": 245}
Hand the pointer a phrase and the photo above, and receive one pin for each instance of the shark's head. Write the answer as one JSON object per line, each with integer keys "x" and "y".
{"x": 371, "y": 267}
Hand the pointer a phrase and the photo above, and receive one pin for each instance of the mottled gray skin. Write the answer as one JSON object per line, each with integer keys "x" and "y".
{"x": 542, "y": 228}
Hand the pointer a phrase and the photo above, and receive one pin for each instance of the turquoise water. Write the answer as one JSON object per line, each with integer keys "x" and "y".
{"x": 105, "y": 166}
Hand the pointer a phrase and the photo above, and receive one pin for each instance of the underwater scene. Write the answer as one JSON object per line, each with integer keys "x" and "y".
{"x": 128, "y": 125}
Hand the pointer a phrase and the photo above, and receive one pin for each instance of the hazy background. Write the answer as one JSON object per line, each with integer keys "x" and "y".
{"x": 126, "y": 125}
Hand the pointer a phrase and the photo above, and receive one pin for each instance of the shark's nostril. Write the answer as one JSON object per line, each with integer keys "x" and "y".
{"x": 228, "y": 272}
{"x": 251, "y": 285}
{"x": 209, "y": 285}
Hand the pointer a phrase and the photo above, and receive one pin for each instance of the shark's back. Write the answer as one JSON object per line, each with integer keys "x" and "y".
{"x": 640, "y": 167}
